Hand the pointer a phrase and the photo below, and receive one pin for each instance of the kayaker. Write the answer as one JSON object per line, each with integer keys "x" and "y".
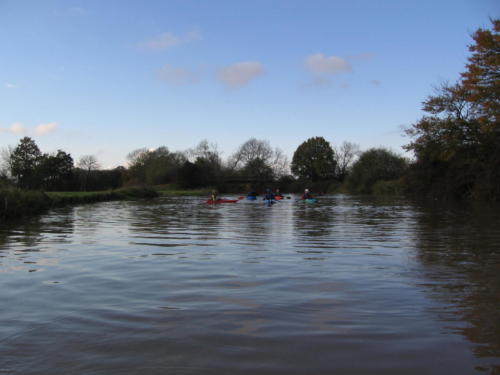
{"x": 269, "y": 195}
{"x": 306, "y": 195}
{"x": 278, "y": 194}
{"x": 213, "y": 196}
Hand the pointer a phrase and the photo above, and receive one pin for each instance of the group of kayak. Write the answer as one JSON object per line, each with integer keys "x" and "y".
{"x": 269, "y": 197}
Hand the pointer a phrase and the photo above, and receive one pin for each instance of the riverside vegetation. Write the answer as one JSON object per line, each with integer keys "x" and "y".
{"x": 16, "y": 202}
{"x": 455, "y": 147}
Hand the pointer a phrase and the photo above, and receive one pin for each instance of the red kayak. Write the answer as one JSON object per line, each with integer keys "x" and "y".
{"x": 210, "y": 201}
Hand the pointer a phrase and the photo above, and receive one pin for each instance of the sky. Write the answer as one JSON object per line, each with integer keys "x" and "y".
{"x": 107, "y": 77}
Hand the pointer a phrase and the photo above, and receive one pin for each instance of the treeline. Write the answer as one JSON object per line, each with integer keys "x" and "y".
{"x": 27, "y": 168}
{"x": 253, "y": 167}
{"x": 455, "y": 146}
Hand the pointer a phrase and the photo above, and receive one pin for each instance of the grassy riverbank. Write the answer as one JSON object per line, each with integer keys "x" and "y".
{"x": 16, "y": 203}
{"x": 171, "y": 190}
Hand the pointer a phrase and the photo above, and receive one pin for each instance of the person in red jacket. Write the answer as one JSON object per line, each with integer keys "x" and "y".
{"x": 278, "y": 195}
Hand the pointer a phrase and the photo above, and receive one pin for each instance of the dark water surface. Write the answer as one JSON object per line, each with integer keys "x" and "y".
{"x": 350, "y": 285}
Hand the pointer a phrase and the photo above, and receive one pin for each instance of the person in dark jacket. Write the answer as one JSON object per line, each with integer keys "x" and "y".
{"x": 306, "y": 195}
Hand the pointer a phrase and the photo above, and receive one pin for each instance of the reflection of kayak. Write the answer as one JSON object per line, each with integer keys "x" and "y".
{"x": 210, "y": 201}
{"x": 269, "y": 201}
{"x": 309, "y": 200}
{"x": 251, "y": 197}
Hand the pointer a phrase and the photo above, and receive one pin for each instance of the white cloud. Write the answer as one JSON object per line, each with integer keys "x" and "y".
{"x": 238, "y": 75}
{"x": 42, "y": 129}
{"x": 168, "y": 40}
{"x": 10, "y": 85}
{"x": 17, "y": 128}
{"x": 14, "y": 128}
{"x": 321, "y": 64}
{"x": 176, "y": 76}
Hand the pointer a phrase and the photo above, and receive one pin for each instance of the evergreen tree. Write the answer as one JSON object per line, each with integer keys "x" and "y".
{"x": 25, "y": 159}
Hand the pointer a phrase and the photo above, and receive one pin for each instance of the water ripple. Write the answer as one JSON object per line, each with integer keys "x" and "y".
{"x": 178, "y": 286}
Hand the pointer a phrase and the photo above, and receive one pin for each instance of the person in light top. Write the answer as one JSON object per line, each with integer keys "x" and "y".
{"x": 213, "y": 196}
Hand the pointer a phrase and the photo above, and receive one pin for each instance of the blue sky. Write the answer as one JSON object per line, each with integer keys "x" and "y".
{"x": 108, "y": 77}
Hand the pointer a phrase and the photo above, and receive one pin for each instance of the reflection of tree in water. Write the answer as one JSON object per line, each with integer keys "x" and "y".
{"x": 257, "y": 219}
{"x": 175, "y": 220}
{"x": 24, "y": 238}
{"x": 464, "y": 246}
{"x": 313, "y": 220}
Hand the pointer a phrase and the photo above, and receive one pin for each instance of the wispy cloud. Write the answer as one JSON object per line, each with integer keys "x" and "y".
{"x": 77, "y": 11}
{"x": 14, "y": 128}
{"x": 10, "y": 85}
{"x": 176, "y": 76}
{"x": 18, "y": 128}
{"x": 322, "y": 68}
{"x": 321, "y": 64}
{"x": 240, "y": 74}
{"x": 318, "y": 83}
{"x": 375, "y": 82}
{"x": 169, "y": 40}
{"x": 365, "y": 56}
{"x": 43, "y": 129}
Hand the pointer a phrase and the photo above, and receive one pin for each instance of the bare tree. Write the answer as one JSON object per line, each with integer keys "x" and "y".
{"x": 5, "y": 162}
{"x": 280, "y": 163}
{"x": 208, "y": 152}
{"x": 88, "y": 163}
{"x": 346, "y": 154}
{"x": 251, "y": 150}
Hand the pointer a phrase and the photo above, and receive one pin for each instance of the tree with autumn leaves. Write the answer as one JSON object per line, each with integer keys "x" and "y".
{"x": 456, "y": 144}
{"x": 481, "y": 81}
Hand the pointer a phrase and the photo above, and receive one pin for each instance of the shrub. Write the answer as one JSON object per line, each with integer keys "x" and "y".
{"x": 376, "y": 164}
{"x": 392, "y": 187}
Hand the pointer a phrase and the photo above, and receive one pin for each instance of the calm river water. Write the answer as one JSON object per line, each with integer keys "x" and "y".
{"x": 350, "y": 285}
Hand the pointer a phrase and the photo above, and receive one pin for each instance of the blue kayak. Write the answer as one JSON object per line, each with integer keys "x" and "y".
{"x": 251, "y": 197}
{"x": 309, "y": 200}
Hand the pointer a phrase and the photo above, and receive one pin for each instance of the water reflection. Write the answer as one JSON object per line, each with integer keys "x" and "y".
{"x": 314, "y": 220}
{"x": 461, "y": 253}
{"x": 29, "y": 245}
{"x": 175, "y": 285}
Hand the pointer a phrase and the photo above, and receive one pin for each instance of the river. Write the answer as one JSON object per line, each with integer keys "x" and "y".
{"x": 350, "y": 285}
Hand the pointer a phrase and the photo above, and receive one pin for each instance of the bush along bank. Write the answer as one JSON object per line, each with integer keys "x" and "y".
{"x": 15, "y": 203}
